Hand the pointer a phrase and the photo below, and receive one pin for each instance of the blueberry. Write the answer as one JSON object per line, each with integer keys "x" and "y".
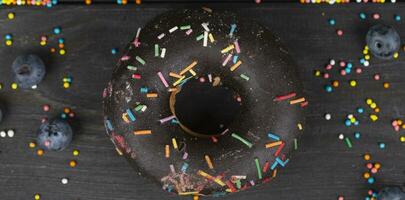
{"x": 55, "y": 135}
{"x": 383, "y": 41}
{"x": 391, "y": 193}
{"x": 28, "y": 70}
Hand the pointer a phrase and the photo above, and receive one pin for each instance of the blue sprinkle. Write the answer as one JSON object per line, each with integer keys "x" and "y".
{"x": 381, "y": 145}
{"x": 109, "y": 125}
{"x": 174, "y": 121}
{"x": 328, "y": 88}
{"x": 114, "y": 51}
{"x": 332, "y": 22}
{"x": 272, "y": 136}
{"x": 362, "y": 15}
{"x": 397, "y": 18}
{"x": 131, "y": 115}
{"x": 356, "y": 123}
{"x": 360, "y": 110}
{"x": 349, "y": 65}
{"x": 144, "y": 90}
{"x": 362, "y": 60}
{"x": 348, "y": 122}
{"x": 233, "y": 27}
{"x": 63, "y": 116}
{"x": 348, "y": 70}
{"x": 235, "y": 59}
{"x": 61, "y": 40}
{"x": 57, "y": 30}
{"x": 184, "y": 167}
{"x": 371, "y": 180}
{"x": 8, "y": 36}
{"x": 357, "y": 135}
{"x": 274, "y": 165}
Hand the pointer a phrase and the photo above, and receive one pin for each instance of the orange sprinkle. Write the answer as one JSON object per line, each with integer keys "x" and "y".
{"x": 188, "y": 68}
{"x": 167, "y": 151}
{"x": 273, "y": 144}
{"x": 172, "y": 89}
{"x": 143, "y": 132}
{"x": 192, "y": 72}
{"x": 228, "y": 48}
{"x": 72, "y": 163}
{"x": 152, "y": 95}
{"x": 40, "y": 152}
{"x": 236, "y": 65}
{"x": 172, "y": 74}
{"x": 209, "y": 162}
{"x": 274, "y": 173}
{"x": 297, "y": 101}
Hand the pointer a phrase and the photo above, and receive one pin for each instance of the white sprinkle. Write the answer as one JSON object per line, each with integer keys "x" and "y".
{"x": 341, "y": 136}
{"x": 366, "y": 63}
{"x": 328, "y": 116}
{"x": 161, "y": 36}
{"x": 34, "y": 87}
{"x": 3, "y": 134}
{"x": 205, "y": 38}
{"x": 144, "y": 108}
{"x": 10, "y": 133}
{"x": 64, "y": 181}
{"x": 173, "y": 29}
{"x": 163, "y": 53}
{"x": 138, "y": 32}
{"x": 332, "y": 62}
{"x": 205, "y": 26}
{"x": 210, "y": 77}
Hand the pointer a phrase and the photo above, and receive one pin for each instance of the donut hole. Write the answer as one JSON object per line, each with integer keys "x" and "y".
{"x": 203, "y": 109}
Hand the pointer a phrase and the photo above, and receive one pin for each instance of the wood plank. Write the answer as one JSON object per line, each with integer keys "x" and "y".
{"x": 322, "y": 168}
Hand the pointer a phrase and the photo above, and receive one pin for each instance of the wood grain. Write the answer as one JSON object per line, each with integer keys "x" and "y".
{"x": 322, "y": 168}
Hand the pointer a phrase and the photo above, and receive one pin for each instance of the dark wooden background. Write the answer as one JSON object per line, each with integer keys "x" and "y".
{"x": 322, "y": 168}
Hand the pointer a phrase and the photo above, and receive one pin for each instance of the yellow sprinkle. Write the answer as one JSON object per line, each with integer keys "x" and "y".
{"x": 174, "y": 143}
{"x": 192, "y": 72}
{"x": 369, "y": 101}
{"x": 230, "y": 47}
{"x": 396, "y": 55}
{"x": 194, "y": 63}
{"x": 32, "y": 145}
{"x": 299, "y": 126}
{"x": 66, "y": 85}
{"x": 14, "y": 86}
{"x": 76, "y": 152}
{"x": 236, "y": 65}
{"x": 211, "y": 38}
{"x": 292, "y": 102}
{"x": 9, "y": 42}
{"x": 151, "y": 95}
{"x": 62, "y": 52}
{"x": 167, "y": 151}
{"x": 219, "y": 182}
{"x": 402, "y": 139}
{"x": 42, "y": 43}
{"x": 273, "y": 144}
{"x": 143, "y": 132}
{"x": 209, "y": 162}
{"x": 179, "y": 81}
{"x": 119, "y": 152}
{"x": 125, "y": 118}
{"x": 188, "y": 193}
{"x": 172, "y": 74}
{"x": 10, "y": 15}
{"x": 37, "y": 196}
{"x": 373, "y": 105}
{"x": 373, "y": 117}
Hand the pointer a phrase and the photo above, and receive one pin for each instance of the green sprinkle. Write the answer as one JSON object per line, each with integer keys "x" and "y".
{"x": 156, "y": 50}
{"x": 200, "y": 37}
{"x": 238, "y": 184}
{"x": 348, "y": 142}
{"x": 295, "y": 144}
{"x": 138, "y": 108}
{"x": 185, "y": 27}
{"x": 259, "y": 171}
{"x": 133, "y": 68}
{"x": 247, "y": 143}
{"x": 245, "y": 77}
{"x": 140, "y": 60}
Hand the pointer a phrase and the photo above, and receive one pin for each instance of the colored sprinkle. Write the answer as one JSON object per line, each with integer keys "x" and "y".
{"x": 163, "y": 79}
{"x": 167, "y": 151}
{"x": 233, "y": 27}
{"x": 230, "y": 186}
{"x": 174, "y": 142}
{"x": 247, "y": 143}
{"x": 209, "y": 162}
{"x": 200, "y": 37}
{"x": 192, "y": 72}
{"x": 285, "y": 97}
{"x": 273, "y": 136}
{"x": 140, "y": 60}
{"x": 205, "y": 42}
{"x": 348, "y": 142}
{"x": 172, "y": 74}
{"x": 279, "y": 149}
{"x": 227, "y": 59}
{"x": 236, "y": 43}
{"x": 194, "y": 63}
{"x": 245, "y": 77}
{"x": 227, "y": 49}
{"x": 156, "y": 50}
{"x": 295, "y": 144}
{"x": 179, "y": 81}
{"x": 133, "y": 68}
{"x": 259, "y": 171}
{"x": 151, "y": 95}
{"x": 292, "y": 102}
{"x": 299, "y": 125}
{"x": 131, "y": 115}
{"x": 184, "y": 167}
{"x": 266, "y": 166}
{"x": 211, "y": 37}
{"x": 143, "y": 132}
{"x": 273, "y": 144}
{"x": 236, "y": 65}
{"x": 189, "y": 31}
{"x": 166, "y": 119}
{"x": 185, "y": 27}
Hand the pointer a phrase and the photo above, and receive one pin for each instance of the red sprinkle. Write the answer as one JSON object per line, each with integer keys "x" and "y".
{"x": 284, "y": 97}
{"x": 230, "y": 186}
{"x": 136, "y": 76}
{"x": 279, "y": 149}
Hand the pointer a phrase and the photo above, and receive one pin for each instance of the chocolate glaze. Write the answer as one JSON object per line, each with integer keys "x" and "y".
{"x": 271, "y": 72}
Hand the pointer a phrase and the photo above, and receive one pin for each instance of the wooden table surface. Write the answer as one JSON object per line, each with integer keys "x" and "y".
{"x": 322, "y": 168}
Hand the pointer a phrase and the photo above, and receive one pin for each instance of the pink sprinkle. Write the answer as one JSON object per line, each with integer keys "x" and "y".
{"x": 377, "y": 77}
{"x": 163, "y": 79}
{"x": 328, "y": 67}
{"x": 237, "y": 46}
{"x": 342, "y": 72}
{"x": 252, "y": 182}
{"x": 136, "y": 76}
{"x": 227, "y": 59}
{"x": 47, "y": 143}
{"x": 172, "y": 169}
{"x": 189, "y": 31}
{"x": 225, "y": 131}
{"x": 123, "y": 58}
{"x": 396, "y": 128}
{"x": 326, "y": 75}
{"x": 185, "y": 155}
{"x": 359, "y": 70}
{"x": 166, "y": 119}
{"x": 394, "y": 123}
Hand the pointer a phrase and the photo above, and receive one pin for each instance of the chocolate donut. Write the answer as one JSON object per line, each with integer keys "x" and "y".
{"x": 205, "y": 103}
